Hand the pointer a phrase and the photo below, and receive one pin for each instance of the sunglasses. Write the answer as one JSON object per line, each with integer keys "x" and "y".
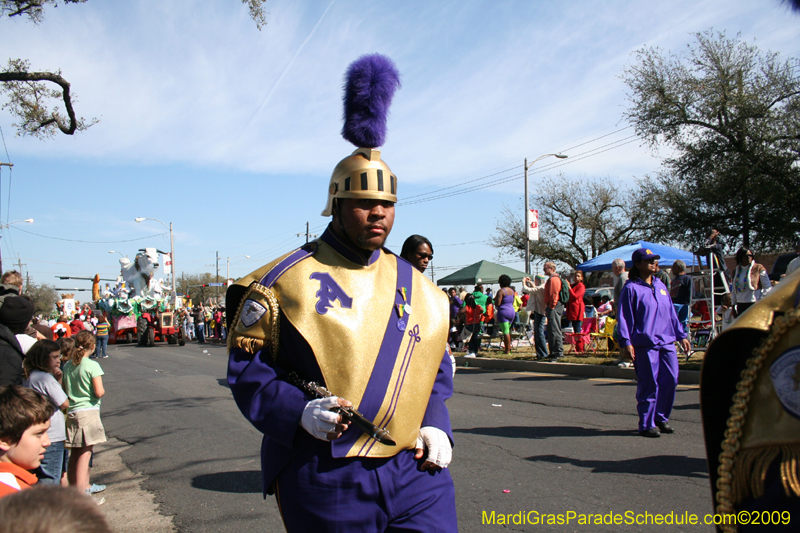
{"x": 422, "y": 255}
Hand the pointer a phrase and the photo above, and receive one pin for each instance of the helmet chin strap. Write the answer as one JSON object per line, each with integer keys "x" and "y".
{"x": 337, "y": 226}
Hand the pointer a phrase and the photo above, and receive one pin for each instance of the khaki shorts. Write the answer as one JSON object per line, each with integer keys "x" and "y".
{"x": 84, "y": 428}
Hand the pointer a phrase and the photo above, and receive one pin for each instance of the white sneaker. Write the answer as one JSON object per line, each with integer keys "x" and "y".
{"x": 470, "y": 355}
{"x": 625, "y": 364}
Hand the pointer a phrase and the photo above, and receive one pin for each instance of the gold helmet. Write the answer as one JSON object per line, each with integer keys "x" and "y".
{"x": 362, "y": 174}
{"x": 371, "y": 81}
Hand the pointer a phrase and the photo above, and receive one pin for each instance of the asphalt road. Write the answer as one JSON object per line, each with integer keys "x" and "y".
{"x": 557, "y": 444}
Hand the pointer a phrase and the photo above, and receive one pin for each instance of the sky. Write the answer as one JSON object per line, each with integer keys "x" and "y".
{"x": 231, "y": 133}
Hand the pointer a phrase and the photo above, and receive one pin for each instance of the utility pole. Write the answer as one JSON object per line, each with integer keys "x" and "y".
{"x": 526, "y": 166}
{"x": 307, "y": 234}
{"x": 433, "y": 277}
{"x": 217, "y": 287}
{"x": 9, "y": 165}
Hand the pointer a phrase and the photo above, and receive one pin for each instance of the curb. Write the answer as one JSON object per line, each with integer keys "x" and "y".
{"x": 685, "y": 377}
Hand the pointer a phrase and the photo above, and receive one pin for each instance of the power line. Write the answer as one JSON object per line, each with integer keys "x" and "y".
{"x": 589, "y": 153}
{"x": 462, "y": 183}
{"x": 460, "y": 244}
{"x": 4, "y": 144}
{"x": 596, "y": 139}
{"x": 556, "y": 164}
{"x": 10, "y": 169}
{"x": 405, "y": 200}
{"x": 66, "y": 264}
{"x": 88, "y": 242}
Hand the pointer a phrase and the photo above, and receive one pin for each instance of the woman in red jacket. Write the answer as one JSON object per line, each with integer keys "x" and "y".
{"x": 576, "y": 308}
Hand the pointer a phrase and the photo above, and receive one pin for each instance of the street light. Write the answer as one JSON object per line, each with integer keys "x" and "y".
{"x": 3, "y": 226}
{"x": 527, "y": 210}
{"x": 228, "y": 270}
{"x": 115, "y": 252}
{"x": 171, "y": 251}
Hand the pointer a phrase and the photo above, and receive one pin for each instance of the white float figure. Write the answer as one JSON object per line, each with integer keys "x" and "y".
{"x": 137, "y": 275}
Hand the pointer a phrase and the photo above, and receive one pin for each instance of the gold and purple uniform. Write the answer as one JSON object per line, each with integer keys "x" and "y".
{"x": 374, "y": 332}
{"x": 750, "y": 402}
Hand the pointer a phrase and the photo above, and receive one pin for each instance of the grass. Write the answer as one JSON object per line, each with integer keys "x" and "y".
{"x": 523, "y": 352}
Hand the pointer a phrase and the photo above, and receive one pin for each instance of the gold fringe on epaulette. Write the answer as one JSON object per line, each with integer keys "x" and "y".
{"x": 750, "y": 471}
{"x": 248, "y": 344}
{"x": 742, "y": 472}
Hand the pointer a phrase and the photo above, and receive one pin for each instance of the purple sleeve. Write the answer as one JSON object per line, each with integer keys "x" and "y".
{"x": 271, "y": 404}
{"x": 625, "y": 318}
{"x": 436, "y": 414}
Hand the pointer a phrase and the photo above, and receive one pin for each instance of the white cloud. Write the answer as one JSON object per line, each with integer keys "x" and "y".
{"x": 181, "y": 89}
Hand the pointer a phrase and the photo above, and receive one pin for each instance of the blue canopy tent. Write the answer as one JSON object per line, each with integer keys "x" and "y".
{"x": 668, "y": 256}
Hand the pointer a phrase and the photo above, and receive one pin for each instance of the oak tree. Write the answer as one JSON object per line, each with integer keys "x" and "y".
{"x": 579, "y": 219}
{"x": 729, "y": 116}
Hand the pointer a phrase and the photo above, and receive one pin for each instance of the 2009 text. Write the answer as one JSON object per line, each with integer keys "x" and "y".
{"x": 631, "y": 518}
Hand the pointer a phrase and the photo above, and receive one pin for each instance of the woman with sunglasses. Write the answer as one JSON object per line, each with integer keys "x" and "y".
{"x": 648, "y": 330}
{"x": 750, "y": 281}
{"x": 418, "y": 251}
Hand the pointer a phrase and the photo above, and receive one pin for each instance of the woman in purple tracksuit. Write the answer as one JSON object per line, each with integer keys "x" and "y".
{"x": 648, "y": 329}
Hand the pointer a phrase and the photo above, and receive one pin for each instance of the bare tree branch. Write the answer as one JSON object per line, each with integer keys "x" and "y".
{"x": 579, "y": 219}
{"x": 28, "y": 99}
{"x": 33, "y": 9}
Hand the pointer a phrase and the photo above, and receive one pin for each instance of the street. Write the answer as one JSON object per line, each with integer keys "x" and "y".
{"x": 556, "y": 444}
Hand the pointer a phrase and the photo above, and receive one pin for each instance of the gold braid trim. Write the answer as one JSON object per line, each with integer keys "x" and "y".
{"x": 742, "y": 474}
{"x": 251, "y": 344}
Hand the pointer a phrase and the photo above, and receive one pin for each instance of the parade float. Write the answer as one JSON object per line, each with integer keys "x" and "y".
{"x": 140, "y": 306}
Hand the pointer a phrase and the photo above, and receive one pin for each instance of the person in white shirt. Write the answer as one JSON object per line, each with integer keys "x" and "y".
{"x": 750, "y": 281}
{"x": 536, "y": 309}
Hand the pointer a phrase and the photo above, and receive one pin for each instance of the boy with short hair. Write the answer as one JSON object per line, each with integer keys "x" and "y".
{"x": 24, "y": 421}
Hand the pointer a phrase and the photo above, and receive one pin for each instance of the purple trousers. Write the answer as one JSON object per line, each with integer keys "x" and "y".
{"x": 319, "y": 493}
{"x": 657, "y": 376}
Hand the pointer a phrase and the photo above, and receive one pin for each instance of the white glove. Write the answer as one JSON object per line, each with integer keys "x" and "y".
{"x": 318, "y": 419}
{"x": 438, "y": 444}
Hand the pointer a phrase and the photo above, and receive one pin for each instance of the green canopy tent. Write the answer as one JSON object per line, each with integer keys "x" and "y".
{"x": 484, "y": 272}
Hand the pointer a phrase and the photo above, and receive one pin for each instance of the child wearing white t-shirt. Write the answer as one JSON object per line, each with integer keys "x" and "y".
{"x": 42, "y": 372}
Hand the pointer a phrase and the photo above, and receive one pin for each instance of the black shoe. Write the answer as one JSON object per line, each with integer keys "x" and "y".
{"x": 652, "y": 433}
{"x": 665, "y": 427}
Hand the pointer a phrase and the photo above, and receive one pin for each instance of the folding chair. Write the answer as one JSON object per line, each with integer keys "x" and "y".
{"x": 608, "y": 335}
{"x": 588, "y": 327}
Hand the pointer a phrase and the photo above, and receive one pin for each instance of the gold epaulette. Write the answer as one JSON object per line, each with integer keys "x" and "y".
{"x": 760, "y": 430}
{"x": 257, "y": 321}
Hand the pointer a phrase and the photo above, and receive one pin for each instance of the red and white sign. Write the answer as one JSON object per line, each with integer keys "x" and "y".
{"x": 533, "y": 227}
{"x": 167, "y": 264}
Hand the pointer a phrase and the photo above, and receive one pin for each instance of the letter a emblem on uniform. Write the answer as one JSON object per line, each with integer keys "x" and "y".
{"x": 329, "y": 291}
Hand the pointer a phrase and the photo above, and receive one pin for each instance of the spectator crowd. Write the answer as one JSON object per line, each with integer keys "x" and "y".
{"x": 555, "y": 307}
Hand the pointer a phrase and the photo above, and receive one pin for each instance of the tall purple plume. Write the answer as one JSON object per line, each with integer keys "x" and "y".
{"x": 371, "y": 81}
